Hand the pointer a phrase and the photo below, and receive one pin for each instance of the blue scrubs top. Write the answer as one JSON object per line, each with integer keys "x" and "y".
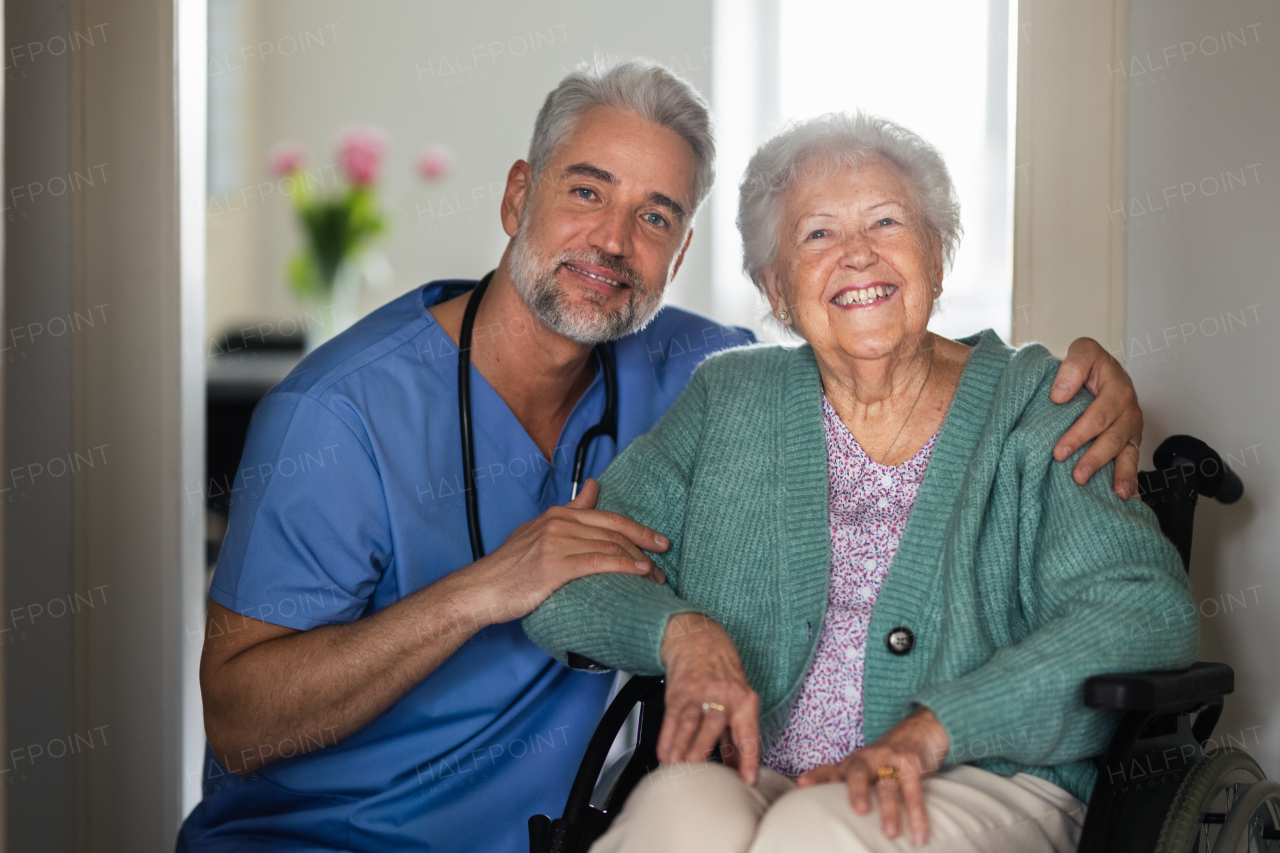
{"x": 349, "y": 497}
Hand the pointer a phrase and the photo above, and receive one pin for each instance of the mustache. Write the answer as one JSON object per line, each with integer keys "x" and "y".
{"x": 615, "y": 265}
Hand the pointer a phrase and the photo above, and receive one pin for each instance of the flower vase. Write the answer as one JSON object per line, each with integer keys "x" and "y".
{"x": 341, "y": 310}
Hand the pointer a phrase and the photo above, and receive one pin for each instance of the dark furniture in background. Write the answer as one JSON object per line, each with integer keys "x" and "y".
{"x": 241, "y": 369}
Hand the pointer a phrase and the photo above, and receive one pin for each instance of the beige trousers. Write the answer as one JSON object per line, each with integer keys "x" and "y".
{"x": 706, "y": 808}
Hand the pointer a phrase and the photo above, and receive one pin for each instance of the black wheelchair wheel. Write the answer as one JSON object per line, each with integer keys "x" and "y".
{"x": 1225, "y": 805}
{"x": 1253, "y": 821}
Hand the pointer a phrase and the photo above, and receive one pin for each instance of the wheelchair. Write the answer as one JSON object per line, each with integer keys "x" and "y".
{"x": 1159, "y": 789}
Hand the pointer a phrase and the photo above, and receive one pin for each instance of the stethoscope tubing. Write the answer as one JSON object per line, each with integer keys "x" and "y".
{"x": 464, "y": 417}
{"x": 608, "y": 424}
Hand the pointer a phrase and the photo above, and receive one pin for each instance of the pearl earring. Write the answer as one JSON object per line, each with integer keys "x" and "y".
{"x": 783, "y": 315}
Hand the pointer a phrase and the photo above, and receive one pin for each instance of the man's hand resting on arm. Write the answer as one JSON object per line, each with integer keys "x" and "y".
{"x": 708, "y": 699}
{"x": 265, "y": 685}
{"x": 1113, "y": 421}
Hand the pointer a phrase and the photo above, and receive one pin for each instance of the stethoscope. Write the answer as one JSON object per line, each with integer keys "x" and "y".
{"x": 608, "y": 424}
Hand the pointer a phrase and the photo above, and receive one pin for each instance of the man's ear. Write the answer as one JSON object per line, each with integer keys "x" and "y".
{"x": 680, "y": 257}
{"x": 517, "y": 194}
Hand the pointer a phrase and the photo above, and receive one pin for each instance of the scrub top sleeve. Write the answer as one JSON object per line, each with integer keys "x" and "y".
{"x": 309, "y": 536}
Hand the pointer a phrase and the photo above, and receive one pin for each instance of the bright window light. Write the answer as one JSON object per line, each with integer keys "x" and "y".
{"x": 938, "y": 67}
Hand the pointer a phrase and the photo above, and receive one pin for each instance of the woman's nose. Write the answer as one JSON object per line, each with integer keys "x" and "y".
{"x": 859, "y": 253}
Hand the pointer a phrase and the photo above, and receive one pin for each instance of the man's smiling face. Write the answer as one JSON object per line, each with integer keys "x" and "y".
{"x": 603, "y": 228}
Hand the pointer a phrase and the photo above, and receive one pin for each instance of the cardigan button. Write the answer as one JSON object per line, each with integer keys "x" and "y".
{"x": 900, "y": 641}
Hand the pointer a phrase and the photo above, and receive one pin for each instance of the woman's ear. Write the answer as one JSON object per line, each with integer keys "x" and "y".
{"x": 938, "y": 268}
{"x": 773, "y": 290}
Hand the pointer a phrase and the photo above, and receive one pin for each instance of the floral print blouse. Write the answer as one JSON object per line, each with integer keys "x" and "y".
{"x": 868, "y": 507}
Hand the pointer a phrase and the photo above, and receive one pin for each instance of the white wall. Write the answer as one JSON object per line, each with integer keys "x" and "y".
{"x": 396, "y": 65}
{"x": 1203, "y": 81}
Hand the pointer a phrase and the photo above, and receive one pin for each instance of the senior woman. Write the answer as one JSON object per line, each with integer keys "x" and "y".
{"x": 873, "y": 556}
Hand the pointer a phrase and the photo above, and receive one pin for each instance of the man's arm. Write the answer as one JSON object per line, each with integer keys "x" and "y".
{"x": 1113, "y": 420}
{"x": 270, "y": 690}
{"x": 268, "y": 685}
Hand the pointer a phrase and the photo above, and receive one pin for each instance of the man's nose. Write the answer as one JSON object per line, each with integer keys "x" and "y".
{"x": 612, "y": 233}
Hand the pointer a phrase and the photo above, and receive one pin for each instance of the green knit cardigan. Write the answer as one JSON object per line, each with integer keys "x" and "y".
{"x": 1017, "y": 583}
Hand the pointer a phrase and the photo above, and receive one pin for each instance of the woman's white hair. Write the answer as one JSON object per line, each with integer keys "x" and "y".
{"x": 839, "y": 140}
{"x": 641, "y": 86}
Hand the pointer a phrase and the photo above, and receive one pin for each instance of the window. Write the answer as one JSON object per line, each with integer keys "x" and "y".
{"x": 939, "y": 68}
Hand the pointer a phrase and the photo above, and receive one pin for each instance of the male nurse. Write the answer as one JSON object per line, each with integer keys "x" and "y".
{"x": 366, "y": 683}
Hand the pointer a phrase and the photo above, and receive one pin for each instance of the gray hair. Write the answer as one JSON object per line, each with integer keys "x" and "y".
{"x": 840, "y": 140}
{"x": 641, "y": 86}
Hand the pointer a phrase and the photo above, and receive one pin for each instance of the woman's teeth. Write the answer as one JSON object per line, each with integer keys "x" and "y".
{"x": 865, "y": 296}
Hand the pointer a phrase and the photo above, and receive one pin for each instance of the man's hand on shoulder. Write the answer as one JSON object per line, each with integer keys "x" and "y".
{"x": 1113, "y": 420}
{"x": 562, "y": 544}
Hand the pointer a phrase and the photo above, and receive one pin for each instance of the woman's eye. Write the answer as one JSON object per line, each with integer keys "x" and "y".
{"x": 656, "y": 219}
{"x": 584, "y": 193}
{"x": 818, "y": 235}
{"x": 886, "y": 221}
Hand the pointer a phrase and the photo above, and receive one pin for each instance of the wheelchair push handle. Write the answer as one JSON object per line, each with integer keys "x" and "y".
{"x": 1190, "y": 458}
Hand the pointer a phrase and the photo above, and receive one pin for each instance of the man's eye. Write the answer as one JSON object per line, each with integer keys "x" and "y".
{"x": 818, "y": 235}
{"x": 584, "y": 193}
{"x": 656, "y": 219}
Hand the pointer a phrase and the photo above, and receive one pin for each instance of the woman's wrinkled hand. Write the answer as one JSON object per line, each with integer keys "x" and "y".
{"x": 1113, "y": 421}
{"x": 708, "y": 698}
{"x": 914, "y": 749}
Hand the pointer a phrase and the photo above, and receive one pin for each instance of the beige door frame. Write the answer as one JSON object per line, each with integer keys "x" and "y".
{"x": 1070, "y": 167}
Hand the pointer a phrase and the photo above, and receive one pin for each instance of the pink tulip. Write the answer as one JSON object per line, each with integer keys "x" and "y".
{"x": 435, "y": 162}
{"x": 361, "y": 151}
{"x": 285, "y": 158}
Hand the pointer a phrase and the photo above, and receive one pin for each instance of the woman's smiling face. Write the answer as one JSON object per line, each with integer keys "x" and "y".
{"x": 856, "y": 268}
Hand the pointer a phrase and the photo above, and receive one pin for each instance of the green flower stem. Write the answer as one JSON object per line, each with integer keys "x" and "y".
{"x": 336, "y": 229}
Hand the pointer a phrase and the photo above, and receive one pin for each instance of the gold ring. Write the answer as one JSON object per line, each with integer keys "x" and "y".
{"x": 712, "y": 706}
{"x": 887, "y": 772}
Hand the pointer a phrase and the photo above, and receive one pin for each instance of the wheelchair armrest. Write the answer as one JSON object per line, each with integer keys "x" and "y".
{"x": 1160, "y": 692}
{"x": 577, "y": 661}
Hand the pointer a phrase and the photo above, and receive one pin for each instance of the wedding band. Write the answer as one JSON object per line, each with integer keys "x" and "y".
{"x": 1134, "y": 446}
{"x": 712, "y": 706}
{"x": 887, "y": 772}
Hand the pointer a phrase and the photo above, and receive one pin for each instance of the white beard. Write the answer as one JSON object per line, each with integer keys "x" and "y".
{"x": 590, "y": 323}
